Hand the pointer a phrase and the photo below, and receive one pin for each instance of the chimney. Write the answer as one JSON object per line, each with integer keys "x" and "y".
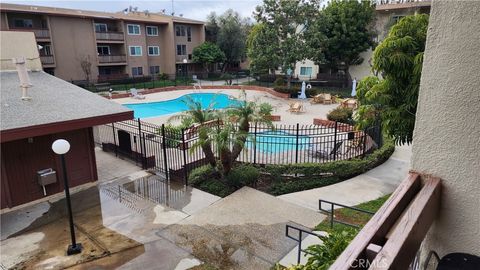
{"x": 23, "y": 76}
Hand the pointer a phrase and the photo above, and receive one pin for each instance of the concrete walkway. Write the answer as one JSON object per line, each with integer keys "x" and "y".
{"x": 371, "y": 185}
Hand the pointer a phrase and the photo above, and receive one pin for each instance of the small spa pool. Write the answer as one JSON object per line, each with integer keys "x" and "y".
{"x": 277, "y": 141}
{"x": 152, "y": 109}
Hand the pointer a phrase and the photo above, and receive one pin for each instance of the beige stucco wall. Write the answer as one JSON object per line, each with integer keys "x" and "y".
{"x": 73, "y": 39}
{"x": 447, "y": 130}
{"x": 19, "y": 44}
{"x": 305, "y": 63}
{"x": 365, "y": 68}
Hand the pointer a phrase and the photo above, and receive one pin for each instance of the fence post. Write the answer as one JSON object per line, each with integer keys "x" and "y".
{"x": 299, "y": 253}
{"x": 184, "y": 146}
{"x": 335, "y": 142}
{"x": 255, "y": 144}
{"x": 331, "y": 215}
{"x": 142, "y": 158}
{"x": 164, "y": 146}
{"x": 364, "y": 142}
{"x": 296, "y": 145}
{"x": 114, "y": 140}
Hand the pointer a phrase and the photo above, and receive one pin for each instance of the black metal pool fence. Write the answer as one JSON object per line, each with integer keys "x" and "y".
{"x": 171, "y": 151}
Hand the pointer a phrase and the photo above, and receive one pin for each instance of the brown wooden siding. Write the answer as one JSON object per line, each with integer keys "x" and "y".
{"x": 21, "y": 160}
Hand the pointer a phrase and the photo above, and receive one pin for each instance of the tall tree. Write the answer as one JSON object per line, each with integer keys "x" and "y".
{"x": 287, "y": 21}
{"x": 398, "y": 59}
{"x": 231, "y": 37}
{"x": 262, "y": 49}
{"x": 341, "y": 32}
{"x": 211, "y": 27}
{"x": 207, "y": 54}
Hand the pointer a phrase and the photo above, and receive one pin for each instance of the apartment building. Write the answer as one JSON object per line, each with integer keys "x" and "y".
{"x": 79, "y": 44}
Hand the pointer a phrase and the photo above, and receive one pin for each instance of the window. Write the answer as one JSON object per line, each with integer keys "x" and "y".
{"x": 396, "y": 18}
{"x": 137, "y": 71}
{"x": 190, "y": 57}
{"x": 154, "y": 70}
{"x": 46, "y": 50}
{"x": 133, "y": 29}
{"x": 103, "y": 50}
{"x": 180, "y": 30}
{"x": 189, "y": 34}
{"x": 152, "y": 31}
{"x": 101, "y": 27}
{"x": 305, "y": 71}
{"x": 153, "y": 50}
{"x": 23, "y": 23}
{"x": 181, "y": 49}
{"x": 135, "y": 51}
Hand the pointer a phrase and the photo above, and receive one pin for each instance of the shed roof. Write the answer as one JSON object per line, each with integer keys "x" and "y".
{"x": 56, "y": 106}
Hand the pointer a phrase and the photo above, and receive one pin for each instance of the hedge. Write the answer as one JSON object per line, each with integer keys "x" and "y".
{"x": 297, "y": 177}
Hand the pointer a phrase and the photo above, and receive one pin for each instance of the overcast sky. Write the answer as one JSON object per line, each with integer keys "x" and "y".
{"x": 193, "y": 9}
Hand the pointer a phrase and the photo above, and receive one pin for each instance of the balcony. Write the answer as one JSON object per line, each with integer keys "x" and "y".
{"x": 112, "y": 59}
{"x": 47, "y": 60}
{"x": 110, "y": 36}
{"x": 40, "y": 33}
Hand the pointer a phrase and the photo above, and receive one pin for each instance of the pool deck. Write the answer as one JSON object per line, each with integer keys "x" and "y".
{"x": 280, "y": 105}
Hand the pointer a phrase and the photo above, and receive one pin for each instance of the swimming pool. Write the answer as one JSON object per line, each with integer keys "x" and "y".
{"x": 152, "y": 109}
{"x": 277, "y": 141}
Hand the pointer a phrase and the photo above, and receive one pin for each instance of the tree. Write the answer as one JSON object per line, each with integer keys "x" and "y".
{"x": 207, "y": 54}
{"x": 227, "y": 129}
{"x": 86, "y": 66}
{"x": 399, "y": 60}
{"x": 287, "y": 21}
{"x": 231, "y": 37}
{"x": 262, "y": 50}
{"x": 211, "y": 27}
{"x": 341, "y": 32}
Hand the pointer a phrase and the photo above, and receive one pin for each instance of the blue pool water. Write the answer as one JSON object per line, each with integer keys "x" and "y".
{"x": 277, "y": 141}
{"x": 151, "y": 109}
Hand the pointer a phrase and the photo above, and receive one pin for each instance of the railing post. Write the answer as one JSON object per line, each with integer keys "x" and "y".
{"x": 164, "y": 146}
{"x": 364, "y": 142}
{"x": 114, "y": 140}
{"x": 335, "y": 142}
{"x": 142, "y": 159}
{"x": 331, "y": 215}
{"x": 296, "y": 144}
{"x": 184, "y": 146}
{"x": 255, "y": 144}
{"x": 299, "y": 254}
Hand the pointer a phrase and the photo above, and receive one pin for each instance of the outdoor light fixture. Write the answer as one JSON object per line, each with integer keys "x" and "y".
{"x": 61, "y": 147}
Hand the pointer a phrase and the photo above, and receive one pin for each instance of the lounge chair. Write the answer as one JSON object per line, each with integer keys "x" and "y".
{"x": 135, "y": 94}
{"x": 327, "y": 99}
{"x": 317, "y": 99}
{"x": 324, "y": 153}
{"x": 296, "y": 107}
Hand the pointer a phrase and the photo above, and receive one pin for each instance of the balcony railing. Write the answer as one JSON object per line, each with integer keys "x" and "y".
{"x": 116, "y": 36}
{"x": 110, "y": 58}
{"x": 109, "y": 77}
{"x": 47, "y": 59}
{"x": 39, "y": 32}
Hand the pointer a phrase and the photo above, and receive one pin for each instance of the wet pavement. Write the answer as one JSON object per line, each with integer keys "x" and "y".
{"x": 150, "y": 223}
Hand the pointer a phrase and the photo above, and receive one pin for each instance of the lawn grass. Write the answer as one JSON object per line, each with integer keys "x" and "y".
{"x": 351, "y": 216}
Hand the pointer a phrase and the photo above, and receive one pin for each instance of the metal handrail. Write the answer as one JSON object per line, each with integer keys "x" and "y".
{"x": 332, "y": 210}
{"x": 299, "y": 240}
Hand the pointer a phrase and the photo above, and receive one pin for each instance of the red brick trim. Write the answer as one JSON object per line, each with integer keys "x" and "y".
{"x": 331, "y": 124}
{"x": 189, "y": 87}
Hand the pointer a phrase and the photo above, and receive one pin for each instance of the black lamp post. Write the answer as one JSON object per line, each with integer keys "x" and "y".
{"x": 61, "y": 147}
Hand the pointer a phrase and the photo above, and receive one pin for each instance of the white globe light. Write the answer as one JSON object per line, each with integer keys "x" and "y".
{"x": 185, "y": 61}
{"x": 60, "y": 146}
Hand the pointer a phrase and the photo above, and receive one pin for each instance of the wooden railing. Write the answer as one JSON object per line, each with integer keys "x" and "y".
{"x": 112, "y": 58}
{"x": 39, "y": 32}
{"x": 47, "y": 59}
{"x": 117, "y": 36}
{"x": 393, "y": 235}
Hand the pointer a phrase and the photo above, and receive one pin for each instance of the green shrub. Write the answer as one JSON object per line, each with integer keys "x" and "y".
{"x": 314, "y": 175}
{"x": 215, "y": 187}
{"x": 201, "y": 174}
{"x": 324, "y": 255}
{"x": 243, "y": 175}
{"x": 343, "y": 115}
{"x": 280, "y": 81}
{"x": 163, "y": 76}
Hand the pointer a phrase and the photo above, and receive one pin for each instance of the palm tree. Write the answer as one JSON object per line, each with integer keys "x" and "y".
{"x": 198, "y": 115}
{"x": 229, "y": 134}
